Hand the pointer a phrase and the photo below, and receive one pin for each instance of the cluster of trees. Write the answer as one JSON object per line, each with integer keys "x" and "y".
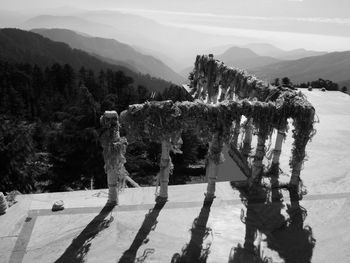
{"x": 320, "y": 84}
{"x": 284, "y": 82}
{"x": 49, "y": 126}
{"x": 316, "y": 84}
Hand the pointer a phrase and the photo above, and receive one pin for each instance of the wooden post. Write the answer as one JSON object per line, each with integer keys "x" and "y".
{"x": 214, "y": 159}
{"x": 258, "y": 158}
{"x": 212, "y": 171}
{"x": 114, "y": 148}
{"x": 236, "y": 131}
{"x": 301, "y": 135}
{"x": 294, "y": 180}
{"x": 278, "y": 147}
{"x": 165, "y": 163}
{"x": 274, "y": 170}
{"x": 247, "y": 138}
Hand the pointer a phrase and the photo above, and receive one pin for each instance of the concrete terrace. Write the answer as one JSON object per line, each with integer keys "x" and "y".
{"x": 141, "y": 230}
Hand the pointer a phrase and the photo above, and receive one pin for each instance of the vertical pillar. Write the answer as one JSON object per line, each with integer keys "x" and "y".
{"x": 294, "y": 180}
{"x": 236, "y": 132}
{"x": 214, "y": 159}
{"x": 276, "y": 154}
{"x": 301, "y": 134}
{"x": 114, "y": 148}
{"x": 278, "y": 147}
{"x": 165, "y": 163}
{"x": 258, "y": 158}
{"x": 211, "y": 79}
{"x": 247, "y": 141}
{"x": 274, "y": 170}
{"x": 3, "y": 204}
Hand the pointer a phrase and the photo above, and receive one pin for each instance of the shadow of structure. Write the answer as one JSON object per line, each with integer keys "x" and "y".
{"x": 148, "y": 225}
{"x": 80, "y": 246}
{"x": 265, "y": 221}
{"x": 194, "y": 252}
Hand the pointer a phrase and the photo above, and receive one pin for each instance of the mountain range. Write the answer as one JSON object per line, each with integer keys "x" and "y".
{"x": 180, "y": 44}
{"x": 112, "y": 29}
{"x": 333, "y": 66}
{"x": 239, "y": 57}
{"x": 21, "y": 46}
{"x": 265, "y": 49}
{"x": 115, "y": 52}
{"x": 244, "y": 58}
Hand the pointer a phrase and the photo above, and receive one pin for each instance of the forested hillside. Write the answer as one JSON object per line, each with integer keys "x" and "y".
{"x": 27, "y": 47}
{"x": 114, "y": 52}
{"x": 49, "y": 117}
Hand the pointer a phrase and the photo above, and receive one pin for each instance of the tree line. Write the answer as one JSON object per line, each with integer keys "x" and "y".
{"x": 316, "y": 84}
{"x": 49, "y": 126}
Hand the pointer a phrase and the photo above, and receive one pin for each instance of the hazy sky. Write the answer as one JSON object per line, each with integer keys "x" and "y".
{"x": 304, "y": 8}
{"x": 316, "y": 24}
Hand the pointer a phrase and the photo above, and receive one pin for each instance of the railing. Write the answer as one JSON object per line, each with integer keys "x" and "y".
{"x": 225, "y": 96}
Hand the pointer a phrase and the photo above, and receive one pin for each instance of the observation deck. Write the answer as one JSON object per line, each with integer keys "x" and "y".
{"x": 31, "y": 232}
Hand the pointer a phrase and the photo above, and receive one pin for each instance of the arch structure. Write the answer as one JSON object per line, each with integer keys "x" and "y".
{"x": 231, "y": 107}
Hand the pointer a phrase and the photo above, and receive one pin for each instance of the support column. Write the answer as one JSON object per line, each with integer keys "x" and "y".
{"x": 274, "y": 170}
{"x": 165, "y": 164}
{"x": 247, "y": 141}
{"x": 294, "y": 180}
{"x": 278, "y": 147}
{"x": 214, "y": 159}
{"x": 277, "y": 153}
{"x": 114, "y": 149}
{"x": 301, "y": 135}
{"x": 236, "y": 131}
{"x": 258, "y": 158}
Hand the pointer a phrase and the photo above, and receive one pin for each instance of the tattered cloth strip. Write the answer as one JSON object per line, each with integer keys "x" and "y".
{"x": 166, "y": 120}
{"x": 213, "y": 73}
{"x": 3, "y": 204}
{"x": 160, "y": 120}
{"x": 114, "y": 150}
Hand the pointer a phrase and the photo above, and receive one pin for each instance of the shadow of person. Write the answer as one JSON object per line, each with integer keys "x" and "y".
{"x": 194, "y": 252}
{"x": 149, "y": 224}
{"x": 80, "y": 246}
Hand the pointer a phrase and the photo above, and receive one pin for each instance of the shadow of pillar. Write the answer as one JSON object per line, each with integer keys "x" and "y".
{"x": 295, "y": 241}
{"x": 289, "y": 237}
{"x": 194, "y": 251}
{"x": 149, "y": 224}
{"x": 80, "y": 246}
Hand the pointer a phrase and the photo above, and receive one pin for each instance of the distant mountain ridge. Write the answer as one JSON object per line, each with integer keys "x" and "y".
{"x": 265, "y": 49}
{"x": 113, "y": 51}
{"x": 244, "y": 58}
{"x": 238, "y": 57}
{"x": 180, "y": 44}
{"x": 333, "y": 66}
{"x": 21, "y": 46}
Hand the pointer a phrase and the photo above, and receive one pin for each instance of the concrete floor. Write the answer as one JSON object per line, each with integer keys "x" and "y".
{"x": 86, "y": 231}
{"x": 138, "y": 230}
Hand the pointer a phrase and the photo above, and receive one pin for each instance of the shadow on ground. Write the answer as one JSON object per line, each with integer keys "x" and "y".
{"x": 194, "y": 251}
{"x": 80, "y": 246}
{"x": 149, "y": 224}
{"x": 283, "y": 233}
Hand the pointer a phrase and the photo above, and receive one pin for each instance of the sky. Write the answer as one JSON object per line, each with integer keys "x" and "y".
{"x": 313, "y": 24}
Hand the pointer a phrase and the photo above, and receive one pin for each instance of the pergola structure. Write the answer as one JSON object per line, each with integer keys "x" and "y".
{"x": 231, "y": 107}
